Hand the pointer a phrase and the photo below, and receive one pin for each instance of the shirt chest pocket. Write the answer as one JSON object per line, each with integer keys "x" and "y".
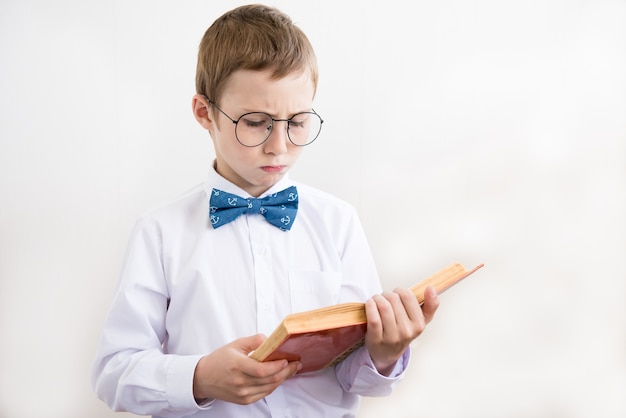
{"x": 314, "y": 289}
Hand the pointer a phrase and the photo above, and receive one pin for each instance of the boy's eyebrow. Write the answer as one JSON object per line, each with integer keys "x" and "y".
{"x": 273, "y": 115}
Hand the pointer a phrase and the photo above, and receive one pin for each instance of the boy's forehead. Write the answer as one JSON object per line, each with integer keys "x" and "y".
{"x": 254, "y": 85}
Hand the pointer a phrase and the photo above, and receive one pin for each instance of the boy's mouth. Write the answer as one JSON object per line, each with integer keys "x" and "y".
{"x": 273, "y": 168}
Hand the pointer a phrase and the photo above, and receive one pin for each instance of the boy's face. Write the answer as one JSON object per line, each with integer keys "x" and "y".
{"x": 256, "y": 169}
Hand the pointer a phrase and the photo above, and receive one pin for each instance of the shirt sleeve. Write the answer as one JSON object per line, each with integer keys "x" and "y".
{"x": 357, "y": 374}
{"x": 131, "y": 372}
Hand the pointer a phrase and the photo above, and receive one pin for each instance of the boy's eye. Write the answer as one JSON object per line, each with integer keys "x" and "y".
{"x": 256, "y": 121}
{"x": 298, "y": 121}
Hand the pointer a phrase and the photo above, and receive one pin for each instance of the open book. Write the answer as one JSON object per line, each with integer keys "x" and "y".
{"x": 323, "y": 337}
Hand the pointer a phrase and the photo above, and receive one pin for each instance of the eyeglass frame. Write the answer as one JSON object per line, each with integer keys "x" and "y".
{"x": 235, "y": 122}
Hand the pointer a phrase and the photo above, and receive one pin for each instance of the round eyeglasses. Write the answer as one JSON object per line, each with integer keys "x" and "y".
{"x": 254, "y": 128}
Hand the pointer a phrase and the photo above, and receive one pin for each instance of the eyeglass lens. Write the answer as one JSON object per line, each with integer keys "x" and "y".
{"x": 254, "y": 128}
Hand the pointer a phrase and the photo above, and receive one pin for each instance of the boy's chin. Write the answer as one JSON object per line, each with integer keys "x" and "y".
{"x": 271, "y": 182}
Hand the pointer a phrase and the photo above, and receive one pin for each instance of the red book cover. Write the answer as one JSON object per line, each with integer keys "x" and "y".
{"x": 319, "y": 349}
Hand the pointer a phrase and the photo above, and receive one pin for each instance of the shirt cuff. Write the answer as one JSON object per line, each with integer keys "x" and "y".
{"x": 205, "y": 403}
{"x": 179, "y": 384}
{"x": 401, "y": 364}
{"x": 361, "y": 376}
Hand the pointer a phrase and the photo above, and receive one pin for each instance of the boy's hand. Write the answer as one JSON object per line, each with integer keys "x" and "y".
{"x": 230, "y": 375}
{"x": 394, "y": 319}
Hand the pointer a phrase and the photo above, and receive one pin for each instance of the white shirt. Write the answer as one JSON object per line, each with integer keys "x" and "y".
{"x": 186, "y": 289}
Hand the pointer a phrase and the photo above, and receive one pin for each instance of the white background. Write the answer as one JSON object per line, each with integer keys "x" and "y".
{"x": 498, "y": 126}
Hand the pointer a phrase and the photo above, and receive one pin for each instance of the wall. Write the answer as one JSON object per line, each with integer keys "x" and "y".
{"x": 499, "y": 126}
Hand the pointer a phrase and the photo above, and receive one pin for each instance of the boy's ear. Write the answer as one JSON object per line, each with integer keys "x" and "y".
{"x": 200, "y": 107}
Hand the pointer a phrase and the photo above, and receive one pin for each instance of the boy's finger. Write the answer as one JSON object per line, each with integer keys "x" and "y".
{"x": 431, "y": 303}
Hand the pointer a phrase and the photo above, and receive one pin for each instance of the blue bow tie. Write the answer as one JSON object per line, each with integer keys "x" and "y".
{"x": 279, "y": 209}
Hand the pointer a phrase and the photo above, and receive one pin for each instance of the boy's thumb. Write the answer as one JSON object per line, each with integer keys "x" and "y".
{"x": 249, "y": 344}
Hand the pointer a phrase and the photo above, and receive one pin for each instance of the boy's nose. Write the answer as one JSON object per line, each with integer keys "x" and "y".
{"x": 278, "y": 140}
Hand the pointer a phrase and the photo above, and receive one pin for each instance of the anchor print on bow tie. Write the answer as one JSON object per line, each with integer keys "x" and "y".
{"x": 279, "y": 209}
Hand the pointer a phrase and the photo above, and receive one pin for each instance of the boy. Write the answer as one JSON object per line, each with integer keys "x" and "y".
{"x": 201, "y": 285}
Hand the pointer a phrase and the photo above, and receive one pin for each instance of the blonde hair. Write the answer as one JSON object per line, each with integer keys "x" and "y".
{"x": 252, "y": 37}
